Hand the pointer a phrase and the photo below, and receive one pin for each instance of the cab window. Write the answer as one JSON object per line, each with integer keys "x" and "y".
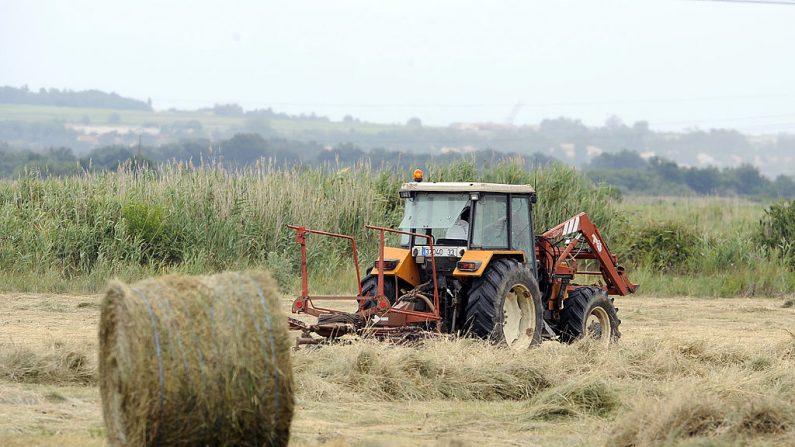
{"x": 432, "y": 213}
{"x": 491, "y": 223}
{"x": 520, "y": 225}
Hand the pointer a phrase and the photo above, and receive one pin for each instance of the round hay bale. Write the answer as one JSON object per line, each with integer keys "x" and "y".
{"x": 195, "y": 360}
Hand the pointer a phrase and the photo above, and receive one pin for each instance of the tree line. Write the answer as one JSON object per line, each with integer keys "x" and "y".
{"x": 626, "y": 171}
{"x": 70, "y": 98}
{"x": 240, "y": 151}
{"x": 630, "y": 172}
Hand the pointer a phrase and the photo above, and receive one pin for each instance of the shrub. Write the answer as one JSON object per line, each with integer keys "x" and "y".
{"x": 147, "y": 225}
{"x": 777, "y": 229}
{"x": 666, "y": 246}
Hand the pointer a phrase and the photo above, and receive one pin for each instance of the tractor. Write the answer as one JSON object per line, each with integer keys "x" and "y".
{"x": 469, "y": 263}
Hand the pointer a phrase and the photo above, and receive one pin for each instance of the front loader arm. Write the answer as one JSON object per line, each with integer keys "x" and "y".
{"x": 574, "y": 232}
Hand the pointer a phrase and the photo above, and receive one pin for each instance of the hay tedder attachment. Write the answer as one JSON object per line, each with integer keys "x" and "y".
{"x": 468, "y": 263}
{"x": 376, "y": 315}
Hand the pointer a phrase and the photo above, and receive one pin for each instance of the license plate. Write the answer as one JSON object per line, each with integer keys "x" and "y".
{"x": 442, "y": 252}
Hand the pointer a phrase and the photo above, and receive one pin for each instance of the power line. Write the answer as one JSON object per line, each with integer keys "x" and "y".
{"x": 482, "y": 104}
{"x": 723, "y": 120}
{"x": 769, "y": 2}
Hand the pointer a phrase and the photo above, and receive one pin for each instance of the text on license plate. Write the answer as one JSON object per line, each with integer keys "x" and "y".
{"x": 448, "y": 252}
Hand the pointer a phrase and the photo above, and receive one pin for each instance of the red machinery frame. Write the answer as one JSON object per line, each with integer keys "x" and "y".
{"x": 304, "y": 302}
{"x": 435, "y": 315}
{"x": 384, "y": 326}
{"x": 563, "y": 263}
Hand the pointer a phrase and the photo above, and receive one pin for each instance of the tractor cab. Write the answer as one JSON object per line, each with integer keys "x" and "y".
{"x": 462, "y": 217}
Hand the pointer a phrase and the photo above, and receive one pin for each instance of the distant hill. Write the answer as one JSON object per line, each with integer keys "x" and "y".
{"x": 70, "y": 98}
{"x": 42, "y": 120}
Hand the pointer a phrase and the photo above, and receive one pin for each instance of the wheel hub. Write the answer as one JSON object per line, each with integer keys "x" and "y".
{"x": 518, "y": 317}
{"x": 597, "y": 326}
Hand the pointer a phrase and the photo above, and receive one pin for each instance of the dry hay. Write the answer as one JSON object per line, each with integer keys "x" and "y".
{"x": 645, "y": 392}
{"x": 55, "y": 364}
{"x": 195, "y": 361}
{"x": 692, "y": 412}
{"x": 459, "y": 370}
{"x": 588, "y": 396}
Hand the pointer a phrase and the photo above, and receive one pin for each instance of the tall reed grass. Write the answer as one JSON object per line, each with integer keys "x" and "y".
{"x": 201, "y": 219}
{"x": 702, "y": 247}
{"x": 73, "y": 233}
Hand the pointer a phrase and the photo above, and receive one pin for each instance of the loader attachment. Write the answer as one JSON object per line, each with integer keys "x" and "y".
{"x": 578, "y": 239}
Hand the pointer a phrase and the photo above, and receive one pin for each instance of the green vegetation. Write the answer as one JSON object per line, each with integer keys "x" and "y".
{"x": 611, "y": 152}
{"x": 626, "y": 171}
{"x": 75, "y": 232}
{"x": 69, "y": 98}
{"x": 136, "y": 222}
{"x": 778, "y": 229}
{"x": 39, "y": 127}
{"x": 242, "y": 150}
{"x": 720, "y": 253}
{"x": 59, "y": 132}
{"x": 657, "y": 176}
{"x": 664, "y": 246}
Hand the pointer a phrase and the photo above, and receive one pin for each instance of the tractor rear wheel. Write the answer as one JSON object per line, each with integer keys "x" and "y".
{"x": 504, "y": 305}
{"x": 588, "y": 311}
{"x": 370, "y": 287}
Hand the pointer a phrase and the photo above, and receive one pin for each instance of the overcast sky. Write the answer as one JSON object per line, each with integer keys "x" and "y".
{"x": 674, "y": 63}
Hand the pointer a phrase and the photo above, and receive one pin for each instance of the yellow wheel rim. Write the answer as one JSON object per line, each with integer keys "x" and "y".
{"x": 518, "y": 317}
{"x": 597, "y": 325}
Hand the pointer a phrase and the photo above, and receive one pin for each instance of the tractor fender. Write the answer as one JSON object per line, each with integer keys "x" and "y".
{"x": 406, "y": 268}
{"x": 485, "y": 257}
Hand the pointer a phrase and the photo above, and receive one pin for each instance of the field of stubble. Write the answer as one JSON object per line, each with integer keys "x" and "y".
{"x": 688, "y": 371}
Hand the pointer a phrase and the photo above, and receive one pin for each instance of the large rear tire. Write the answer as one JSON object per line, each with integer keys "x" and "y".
{"x": 588, "y": 311}
{"x": 504, "y": 305}
{"x": 370, "y": 287}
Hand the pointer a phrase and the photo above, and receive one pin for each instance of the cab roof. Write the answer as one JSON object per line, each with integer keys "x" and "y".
{"x": 466, "y": 187}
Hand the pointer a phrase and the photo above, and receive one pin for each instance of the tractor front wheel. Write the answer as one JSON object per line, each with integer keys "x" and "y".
{"x": 504, "y": 305}
{"x": 589, "y": 312}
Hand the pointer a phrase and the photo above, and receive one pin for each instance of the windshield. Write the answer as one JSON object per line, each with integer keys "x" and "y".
{"x": 435, "y": 210}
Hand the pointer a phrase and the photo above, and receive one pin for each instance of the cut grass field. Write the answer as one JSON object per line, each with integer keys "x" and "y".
{"x": 688, "y": 371}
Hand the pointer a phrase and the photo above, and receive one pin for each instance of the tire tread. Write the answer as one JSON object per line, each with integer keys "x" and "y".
{"x": 573, "y": 315}
{"x": 482, "y": 301}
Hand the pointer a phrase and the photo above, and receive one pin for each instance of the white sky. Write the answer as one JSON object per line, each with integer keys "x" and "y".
{"x": 675, "y": 63}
